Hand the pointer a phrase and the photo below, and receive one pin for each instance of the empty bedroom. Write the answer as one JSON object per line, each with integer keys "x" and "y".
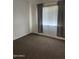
{"x": 38, "y": 29}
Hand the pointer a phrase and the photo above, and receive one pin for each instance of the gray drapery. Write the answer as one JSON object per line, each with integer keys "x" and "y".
{"x": 61, "y": 19}
{"x": 40, "y": 25}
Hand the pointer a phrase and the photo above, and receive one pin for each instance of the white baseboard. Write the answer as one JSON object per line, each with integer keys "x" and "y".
{"x": 20, "y": 36}
{"x": 51, "y": 36}
{"x": 41, "y": 34}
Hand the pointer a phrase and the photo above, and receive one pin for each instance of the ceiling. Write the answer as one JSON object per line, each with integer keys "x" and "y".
{"x": 42, "y": 1}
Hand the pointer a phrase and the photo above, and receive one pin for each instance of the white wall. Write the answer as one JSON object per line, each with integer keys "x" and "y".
{"x": 20, "y": 18}
{"x": 34, "y": 18}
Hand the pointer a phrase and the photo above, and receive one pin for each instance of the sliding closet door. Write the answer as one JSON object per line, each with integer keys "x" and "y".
{"x": 50, "y": 15}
